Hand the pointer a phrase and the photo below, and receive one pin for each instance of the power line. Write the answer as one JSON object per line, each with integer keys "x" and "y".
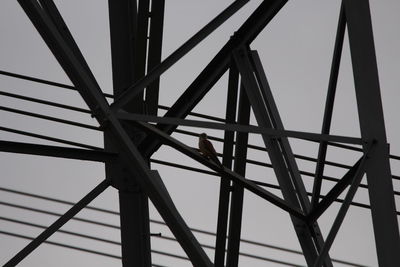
{"x": 60, "y": 231}
{"x": 244, "y": 254}
{"x": 48, "y": 138}
{"x": 19, "y": 76}
{"x": 361, "y": 205}
{"x": 85, "y": 249}
{"x": 42, "y": 81}
{"x": 50, "y": 118}
{"x": 334, "y": 164}
{"x": 247, "y": 160}
{"x": 44, "y": 102}
{"x": 199, "y": 115}
{"x": 151, "y": 220}
{"x": 154, "y": 251}
{"x": 8, "y": 204}
{"x": 161, "y": 107}
{"x": 70, "y": 87}
{"x": 62, "y": 245}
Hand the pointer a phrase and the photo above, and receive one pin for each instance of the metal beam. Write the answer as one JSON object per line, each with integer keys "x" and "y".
{"x": 346, "y": 204}
{"x": 138, "y": 87}
{"x": 57, "y": 151}
{"x": 372, "y": 126}
{"x": 57, "y": 224}
{"x": 123, "y": 26}
{"x": 272, "y": 133}
{"x": 154, "y": 54}
{"x": 52, "y": 11}
{"x": 140, "y": 42}
{"x": 335, "y": 192}
{"x": 128, "y": 30}
{"x": 227, "y": 157}
{"x": 135, "y": 228}
{"x": 279, "y": 150}
{"x": 168, "y": 140}
{"x": 130, "y": 156}
{"x": 215, "y": 69}
{"x": 235, "y": 220}
{"x": 330, "y": 99}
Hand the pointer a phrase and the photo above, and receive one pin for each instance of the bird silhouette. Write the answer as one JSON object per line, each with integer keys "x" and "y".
{"x": 207, "y": 149}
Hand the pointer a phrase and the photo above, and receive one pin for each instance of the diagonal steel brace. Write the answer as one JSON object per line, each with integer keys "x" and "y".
{"x": 279, "y": 150}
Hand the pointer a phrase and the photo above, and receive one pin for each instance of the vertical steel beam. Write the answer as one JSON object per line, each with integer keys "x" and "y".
{"x": 140, "y": 44}
{"x": 123, "y": 25}
{"x": 330, "y": 99}
{"x": 235, "y": 220}
{"x": 154, "y": 54}
{"x": 128, "y": 30}
{"x": 224, "y": 192}
{"x": 135, "y": 241}
{"x": 132, "y": 159}
{"x": 279, "y": 151}
{"x": 372, "y": 126}
{"x": 138, "y": 87}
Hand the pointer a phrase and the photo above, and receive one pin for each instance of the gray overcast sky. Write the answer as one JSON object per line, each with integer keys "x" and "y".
{"x": 296, "y": 51}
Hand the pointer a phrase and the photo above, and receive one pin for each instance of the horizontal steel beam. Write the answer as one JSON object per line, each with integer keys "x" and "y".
{"x": 273, "y": 133}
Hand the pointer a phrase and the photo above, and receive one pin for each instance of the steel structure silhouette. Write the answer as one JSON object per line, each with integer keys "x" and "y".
{"x": 131, "y": 137}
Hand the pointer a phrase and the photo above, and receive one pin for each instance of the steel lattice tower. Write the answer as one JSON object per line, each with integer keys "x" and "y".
{"x": 133, "y": 132}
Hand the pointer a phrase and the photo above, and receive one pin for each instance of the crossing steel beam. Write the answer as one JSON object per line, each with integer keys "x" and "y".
{"x": 130, "y": 156}
{"x": 279, "y": 151}
{"x": 330, "y": 100}
{"x": 257, "y": 21}
{"x": 136, "y": 31}
{"x": 129, "y": 21}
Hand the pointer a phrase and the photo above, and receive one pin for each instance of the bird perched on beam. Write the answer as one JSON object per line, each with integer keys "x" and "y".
{"x": 207, "y": 149}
